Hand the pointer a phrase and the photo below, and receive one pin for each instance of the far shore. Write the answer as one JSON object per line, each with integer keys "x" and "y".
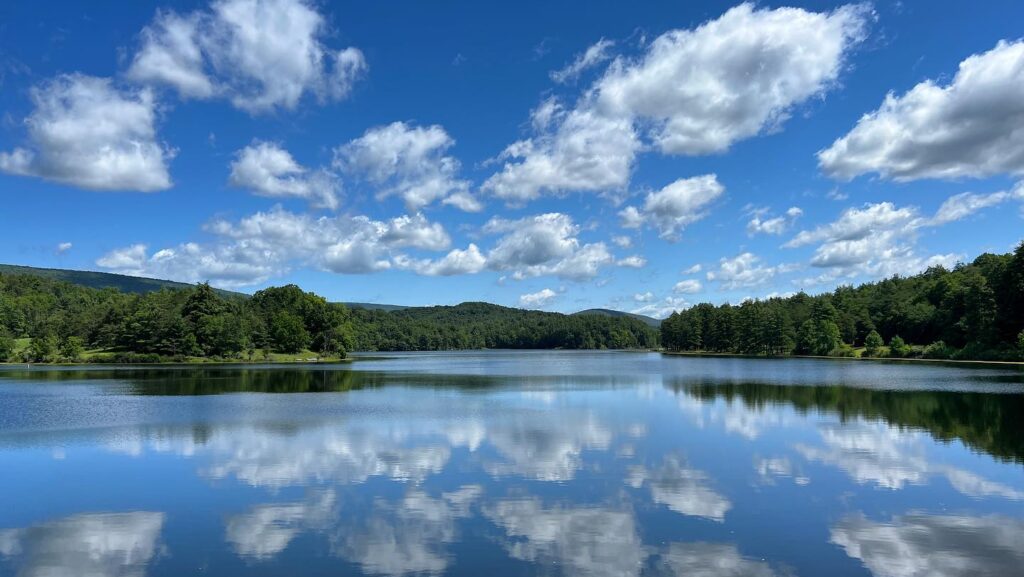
{"x": 885, "y": 359}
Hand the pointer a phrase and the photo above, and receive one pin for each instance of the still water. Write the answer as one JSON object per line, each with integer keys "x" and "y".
{"x": 514, "y": 463}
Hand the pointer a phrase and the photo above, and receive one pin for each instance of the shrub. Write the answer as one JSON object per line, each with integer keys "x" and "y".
{"x": 938, "y": 350}
{"x": 843, "y": 350}
{"x": 898, "y": 348}
{"x": 873, "y": 344}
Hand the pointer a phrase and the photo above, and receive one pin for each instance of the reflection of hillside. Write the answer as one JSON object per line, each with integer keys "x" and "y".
{"x": 983, "y": 421}
{"x": 180, "y": 380}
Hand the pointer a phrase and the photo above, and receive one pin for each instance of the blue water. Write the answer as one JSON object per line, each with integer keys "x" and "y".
{"x": 514, "y": 463}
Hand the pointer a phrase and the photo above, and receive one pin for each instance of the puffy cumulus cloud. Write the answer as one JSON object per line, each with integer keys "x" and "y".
{"x": 743, "y": 270}
{"x": 545, "y": 244}
{"x": 409, "y": 162}
{"x": 731, "y": 78}
{"x": 673, "y": 208}
{"x": 85, "y": 544}
{"x": 692, "y": 92}
{"x": 622, "y": 241}
{"x": 632, "y": 261}
{"x": 687, "y": 287}
{"x": 644, "y": 297}
{"x": 86, "y": 132}
{"x": 693, "y": 269}
{"x": 968, "y": 128}
{"x": 700, "y": 559}
{"x": 586, "y": 151}
{"x": 265, "y": 244}
{"x": 920, "y": 545}
{"x": 597, "y": 53}
{"x": 681, "y": 488}
{"x": 459, "y": 261}
{"x": 269, "y": 170}
{"x": 880, "y": 239}
{"x": 537, "y": 300}
{"x": 588, "y": 541}
{"x": 660, "y": 309}
{"x": 64, "y": 247}
{"x": 775, "y": 225}
{"x": 259, "y": 54}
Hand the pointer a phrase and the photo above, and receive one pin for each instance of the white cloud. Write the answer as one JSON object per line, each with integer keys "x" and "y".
{"x": 264, "y": 531}
{"x": 644, "y": 297}
{"x": 259, "y": 54}
{"x": 687, "y": 287}
{"x": 693, "y": 269}
{"x": 537, "y": 300}
{"x": 660, "y": 309}
{"x": 962, "y": 205}
{"x": 64, "y": 247}
{"x": 458, "y": 261}
{"x": 692, "y": 92}
{"x": 732, "y": 78}
{"x": 269, "y": 170}
{"x": 920, "y": 545}
{"x": 673, "y": 208}
{"x": 265, "y": 244}
{"x": 632, "y": 261}
{"x": 776, "y": 225}
{"x": 743, "y": 270}
{"x": 585, "y": 152}
{"x": 545, "y": 244}
{"x": 880, "y": 239}
{"x": 622, "y": 241}
{"x": 409, "y": 162}
{"x": 593, "y": 56}
{"x": 86, "y": 132}
{"x": 968, "y": 128}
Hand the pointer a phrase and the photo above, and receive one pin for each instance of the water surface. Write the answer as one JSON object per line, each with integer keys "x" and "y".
{"x": 514, "y": 463}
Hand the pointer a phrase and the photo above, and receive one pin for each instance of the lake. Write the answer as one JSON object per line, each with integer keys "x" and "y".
{"x": 514, "y": 463}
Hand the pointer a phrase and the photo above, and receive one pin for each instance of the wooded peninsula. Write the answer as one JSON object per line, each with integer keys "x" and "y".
{"x": 973, "y": 312}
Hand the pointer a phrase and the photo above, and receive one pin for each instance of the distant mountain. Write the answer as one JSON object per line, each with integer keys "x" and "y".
{"x": 100, "y": 280}
{"x": 140, "y": 285}
{"x": 375, "y": 306}
{"x": 651, "y": 321}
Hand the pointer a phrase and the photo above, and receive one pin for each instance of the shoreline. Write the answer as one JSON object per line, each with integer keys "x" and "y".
{"x": 875, "y": 359}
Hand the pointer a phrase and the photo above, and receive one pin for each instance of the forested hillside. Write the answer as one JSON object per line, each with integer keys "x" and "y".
{"x": 975, "y": 311}
{"x": 42, "y": 319}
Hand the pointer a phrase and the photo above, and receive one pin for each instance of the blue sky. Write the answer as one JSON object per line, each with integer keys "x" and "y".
{"x": 638, "y": 156}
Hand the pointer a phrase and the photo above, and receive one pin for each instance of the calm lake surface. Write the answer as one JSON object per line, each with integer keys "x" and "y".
{"x": 514, "y": 463}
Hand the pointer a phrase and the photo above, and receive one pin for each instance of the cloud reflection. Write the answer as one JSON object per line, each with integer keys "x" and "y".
{"x": 918, "y": 545}
{"x": 681, "y": 488}
{"x": 85, "y": 545}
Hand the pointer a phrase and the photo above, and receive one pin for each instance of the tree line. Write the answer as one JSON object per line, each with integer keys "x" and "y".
{"x": 67, "y": 322}
{"x": 975, "y": 311}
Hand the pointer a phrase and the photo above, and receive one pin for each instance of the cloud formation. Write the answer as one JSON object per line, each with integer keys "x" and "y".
{"x": 967, "y": 128}
{"x": 86, "y": 132}
{"x": 261, "y": 55}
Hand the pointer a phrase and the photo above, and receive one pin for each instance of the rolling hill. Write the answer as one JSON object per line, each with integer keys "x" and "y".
{"x": 141, "y": 285}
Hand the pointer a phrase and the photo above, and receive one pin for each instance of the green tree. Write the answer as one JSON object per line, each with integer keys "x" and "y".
{"x": 288, "y": 333}
{"x": 898, "y": 348}
{"x": 71, "y": 348}
{"x": 41, "y": 349}
{"x": 6, "y": 345}
{"x": 873, "y": 343}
